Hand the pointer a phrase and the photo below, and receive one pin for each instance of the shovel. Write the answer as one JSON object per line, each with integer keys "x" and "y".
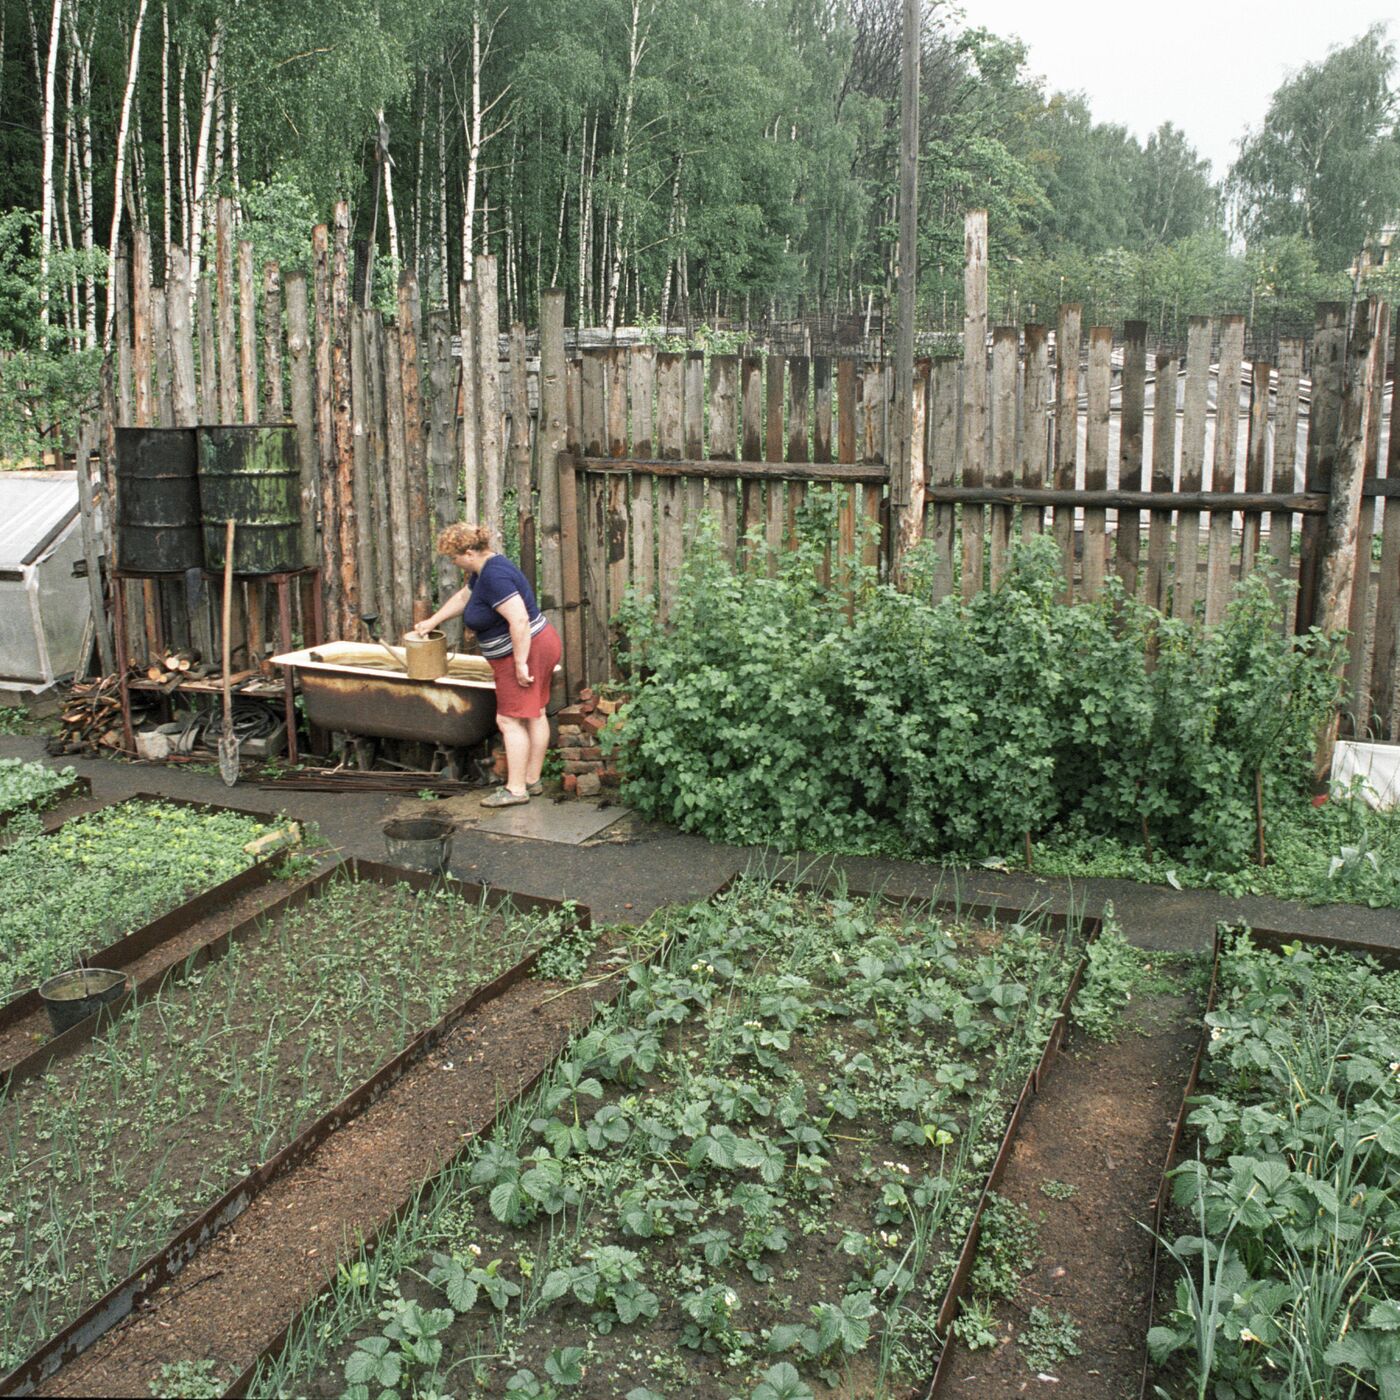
{"x": 228, "y": 741}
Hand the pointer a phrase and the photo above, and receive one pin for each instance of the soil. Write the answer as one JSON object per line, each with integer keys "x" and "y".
{"x": 1101, "y": 1123}
{"x": 230, "y": 1303}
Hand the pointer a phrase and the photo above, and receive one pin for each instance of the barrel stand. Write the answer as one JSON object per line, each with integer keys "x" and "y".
{"x": 307, "y": 579}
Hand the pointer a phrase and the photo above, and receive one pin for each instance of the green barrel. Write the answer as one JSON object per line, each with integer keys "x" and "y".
{"x": 158, "y": 517}
{"x": 251, "y": 474}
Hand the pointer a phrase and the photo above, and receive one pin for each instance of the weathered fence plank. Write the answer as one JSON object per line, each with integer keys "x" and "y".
{"x": 303, "y": 415}
{"x": 724, "y": 447}
{"x": 323, "y": 400}
{"x": 974, "y": 445}
{"x": 1100, "y": 379}
{"x": 274, "y": 400}
{"x": 1005, "y": 345}
{"x": 1035, "y": 424}
{"x": 1220, "y": 544}
{"x": 1328, "y": 367}
{"x": 488, "y": 328}
{"x": 1284, "y": 476}
{"x": 1385, "y": 702}
{"x": 247, "y": 332}
{"x": 751, "y": 502}
{"x": 641, "y": 372}
{"x": 344, "y": 425}
{"x": 363, "y": 483}
{"x": 229, "y": 406}
{"x": 442, "y": 446}
{"x": 552, "y": 439}
{"x": 1193, "y": 456}
{"x": 670, "y": 443}
{"x": 1256, "y": 461}
{"x": 469, "y": 406}
{"x": 401, "y": 574}
{"x": 520, "y": 462}
{"x": 1067, "y": 338}
{"x": 943, "y": 434}
{"x": 410, "y": 333}
{"x": 1128, "y": 534}
{"x": 693, "y": 423}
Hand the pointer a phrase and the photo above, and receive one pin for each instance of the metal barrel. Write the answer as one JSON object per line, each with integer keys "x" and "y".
{"x": 158, "y": 513}
{"x": 250, "y": 473}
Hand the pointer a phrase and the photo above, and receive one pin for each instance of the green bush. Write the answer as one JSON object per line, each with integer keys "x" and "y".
{"x": 762, "y": 712}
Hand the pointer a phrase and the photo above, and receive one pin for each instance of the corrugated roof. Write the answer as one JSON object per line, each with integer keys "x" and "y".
{"x": 35, "y": 508}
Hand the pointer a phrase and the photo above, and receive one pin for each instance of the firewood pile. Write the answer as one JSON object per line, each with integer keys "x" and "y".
{"x": 91, "y": 718}
{"x": 172, "y": 669}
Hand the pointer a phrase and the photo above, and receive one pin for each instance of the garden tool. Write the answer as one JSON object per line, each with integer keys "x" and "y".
{"x": 228, "y": 740}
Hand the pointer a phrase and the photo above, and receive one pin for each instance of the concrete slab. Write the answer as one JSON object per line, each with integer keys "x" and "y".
{"x": 568, "y": 823}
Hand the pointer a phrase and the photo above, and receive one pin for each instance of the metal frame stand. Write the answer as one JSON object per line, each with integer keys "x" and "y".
{"x": 308, "y": 579}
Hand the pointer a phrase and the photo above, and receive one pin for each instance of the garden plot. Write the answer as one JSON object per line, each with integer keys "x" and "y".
{"x": 32, "y": 787}
{"x": 1281, "y": 1271}
{"x": 67, "y": 893}
{"x": 109, "y": 1155}
{"x": 754, "y": 1176}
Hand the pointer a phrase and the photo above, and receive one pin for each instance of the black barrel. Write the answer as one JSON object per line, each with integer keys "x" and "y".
{"x": 250, "y": 473}
{"x": 158, "y": 515}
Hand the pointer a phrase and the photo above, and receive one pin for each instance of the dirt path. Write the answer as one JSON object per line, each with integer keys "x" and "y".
{"x": 230, "y": 1303}
{"x": 1101, "y": 1125}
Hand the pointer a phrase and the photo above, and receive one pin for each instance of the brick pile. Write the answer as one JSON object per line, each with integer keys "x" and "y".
{"x": 586, "y": 771}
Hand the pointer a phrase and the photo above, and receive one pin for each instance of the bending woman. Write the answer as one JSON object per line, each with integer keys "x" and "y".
{"x": 498, "y": 604}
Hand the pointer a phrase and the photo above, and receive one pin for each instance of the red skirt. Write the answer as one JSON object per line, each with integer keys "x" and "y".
{"x": 516, "y": 701}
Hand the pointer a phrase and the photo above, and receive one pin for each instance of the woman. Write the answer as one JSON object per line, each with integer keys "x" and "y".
{"x": 521, "y": 644}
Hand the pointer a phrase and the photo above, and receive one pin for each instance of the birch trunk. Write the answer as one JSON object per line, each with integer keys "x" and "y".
{"x": 389, "y": 206}
{"x": 82, "y": 52}
{"x": 201, "y": 152}
{"x": 165, "y": 118}
{"x": 636, "y": 50}
{"x": 118, "y": 178}
{"x": 46, "y": 218}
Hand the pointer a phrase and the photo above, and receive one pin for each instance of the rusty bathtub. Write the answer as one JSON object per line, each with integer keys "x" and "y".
{"x": 348, "y": 686}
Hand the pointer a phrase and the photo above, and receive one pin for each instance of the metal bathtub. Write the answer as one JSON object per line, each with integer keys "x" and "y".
{"x": 348, "y": 687}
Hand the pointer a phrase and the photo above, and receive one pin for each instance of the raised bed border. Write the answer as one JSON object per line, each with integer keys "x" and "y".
{"x": 1090, "y": 925}
{"x": 165, "y": 1264}
{"x": 1274, "y": 941}
{"x": 133, "y": 945}
{"x": 76, "y": 787}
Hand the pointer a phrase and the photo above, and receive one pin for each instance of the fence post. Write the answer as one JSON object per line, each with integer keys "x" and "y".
{"x": 553, "y": 439}
{"x": 1337, "y": 577}
{"x": 974, "y": 462}
{"x": 1383, "y": 673}
{"x": 488, "y": 352}
{"x": 344, "y": 418}
{"x": 1328, "y": 364}
{"x": 1066, "y": 433}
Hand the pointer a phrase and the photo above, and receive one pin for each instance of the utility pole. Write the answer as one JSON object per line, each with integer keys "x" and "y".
{"x": 906, "y": 494}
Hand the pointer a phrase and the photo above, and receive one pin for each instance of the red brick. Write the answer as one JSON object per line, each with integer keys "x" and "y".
{"x": 594, "y": 723}
{"x": 573, "y": 715}
{"x": 608, "y": 707}
{"x": 570, "y": 783}
{"x": 589, "y": 785}
{"x": 610, "y": 778}
{"x": 571, "y": 767}
{"x": 585, "y": 755}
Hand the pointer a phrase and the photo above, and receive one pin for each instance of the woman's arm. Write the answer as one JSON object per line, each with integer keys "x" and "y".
{"x": 453, "y": 607}
{"x": 513, "y": 611}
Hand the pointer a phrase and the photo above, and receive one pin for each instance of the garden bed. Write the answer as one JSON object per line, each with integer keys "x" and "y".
{"x": 34, "y": 787}
{"x": 1278, "y": 1226}
{"x": 66, "y": 895}
{"x": 228, "y": 1066}
{"x": 757, "y": 1174}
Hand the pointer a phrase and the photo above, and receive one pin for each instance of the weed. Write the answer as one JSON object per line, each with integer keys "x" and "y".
{"x": 1046, "y": 1339}
{"x": 188, "y": 1380}
{"x": 1057, "y": 1190}
{"x": 1115, "y": 968}
{"x": 976, "y": 1323}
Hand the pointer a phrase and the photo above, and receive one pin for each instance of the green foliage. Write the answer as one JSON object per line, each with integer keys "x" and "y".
{"x": 1115, "y": 967}
{"x": 1057, "y": 1190}
{"x": 1046, "y": 1339}
{"x": 1288, "y": 1274}
{"x": 30, "y": 785}
{"x": 566, "y": 956}
{"x": 961, "y": 728}
{"x": 14, "y": 719}
{"x": 1325, "y": 163}
{"x": 188, "y": 1380}
{"x": 102, "y": 875}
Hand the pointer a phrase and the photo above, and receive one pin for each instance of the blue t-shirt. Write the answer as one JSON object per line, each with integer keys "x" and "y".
{"x": 498, "y": 582}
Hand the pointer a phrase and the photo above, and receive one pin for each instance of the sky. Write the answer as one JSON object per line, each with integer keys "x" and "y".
{"x": 1184, "y": 62}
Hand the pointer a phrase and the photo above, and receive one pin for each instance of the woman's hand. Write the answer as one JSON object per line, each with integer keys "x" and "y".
{"x": 423, "y": 628}
{"x": 522, "y": 672}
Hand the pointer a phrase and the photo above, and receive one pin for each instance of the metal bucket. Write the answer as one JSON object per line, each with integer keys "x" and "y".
{"x": 74, "y": 996}
{"x": 251, "y": 473}
{"x": 157, "y": 501}
{"x": 425, "y": 657}
{"x": 419, "y": 843}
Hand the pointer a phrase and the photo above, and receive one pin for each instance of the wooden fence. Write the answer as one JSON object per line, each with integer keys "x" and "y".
{"x": 1176, "y": 468}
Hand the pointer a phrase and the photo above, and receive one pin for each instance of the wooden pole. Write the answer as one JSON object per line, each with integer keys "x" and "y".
{"x": 442, "y": 447}
{"x": 1384, "y": 667}
{"x": 469, "y": 433}
{"x": 1328, "y": 368}
{"x": 273, "y": 401}
{"x": 906, "y": 530}
{"x": 343, "y": 409}
{"x": 1096, "y": 456}
{"x": 208, "y": 353}
{"x": 182, "y": 377}
{"x": 974, "y": 460}
{"x": 520, "y": 453}
{"x": 1193, "y": 457}
{"x": 1128, "y": 540}
{"x": 415, "y": 444}
{"x": 323, "y": 401}
{"x": 400, "y": 532}
{"x": 488, "y": 351}
{"x": 361, "y": 481}
{"x": 553, "y": 434}
{"x": 1223, "y": 473}
{"x": 87, "y": 445}
{"x": 223, "y": 279}
{"x": 299, "y": 362}
{"x": 1066, "y": 432}
{"x": 1337, "y": 577}
{"x": 142, "y": 412}
{"x": 247, "y": 332}
{"x": 1006, "y": 342}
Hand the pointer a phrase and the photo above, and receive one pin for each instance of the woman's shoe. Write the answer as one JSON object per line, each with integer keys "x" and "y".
{"x": 504, "y": 797}
{"x": 534, "y": 789}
